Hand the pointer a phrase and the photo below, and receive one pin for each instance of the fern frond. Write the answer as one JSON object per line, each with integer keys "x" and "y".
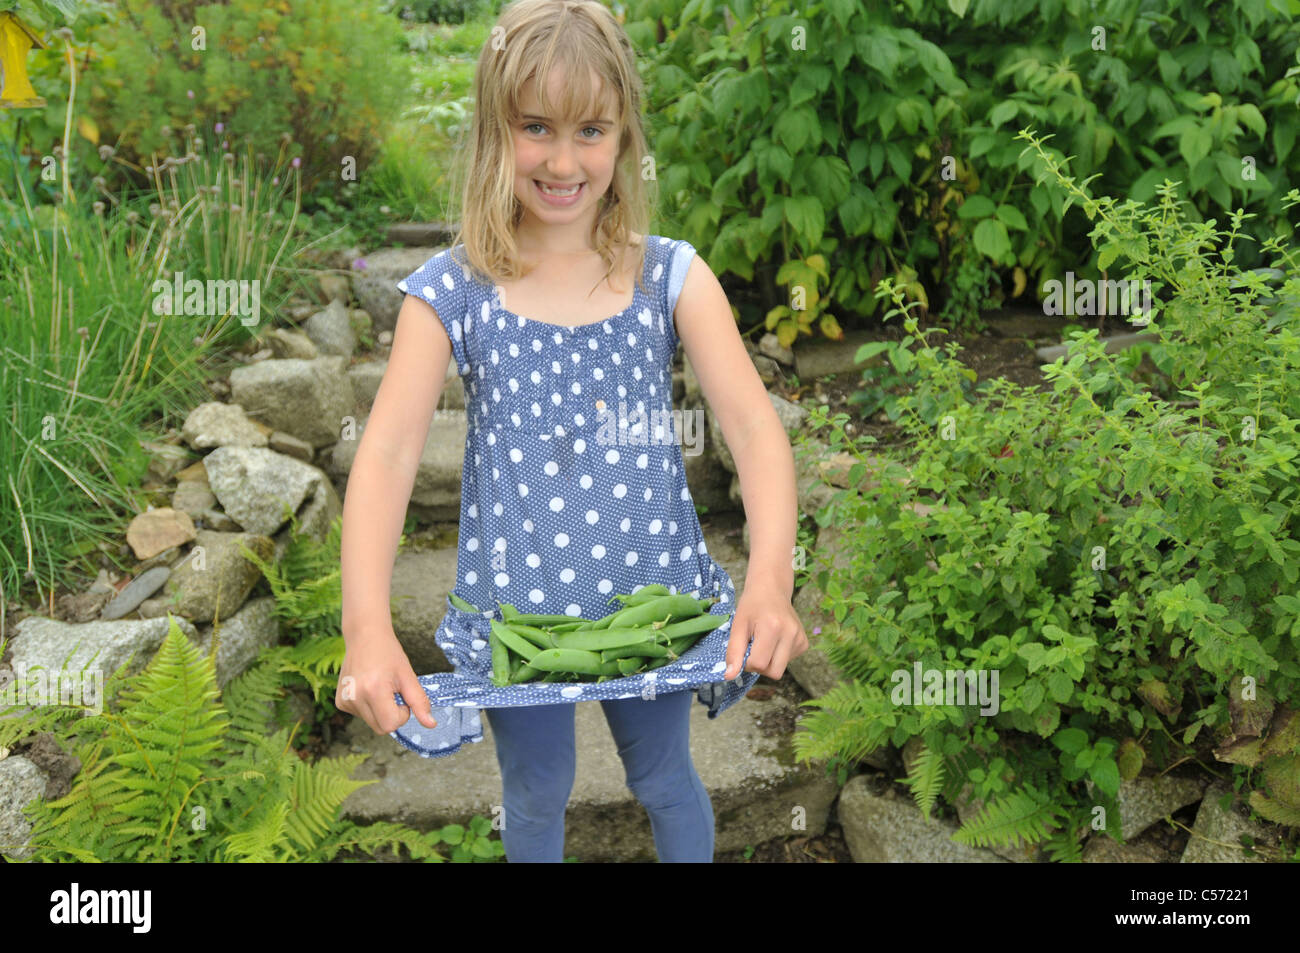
{"x": 259, "y": 843}
{"x": 1064, "y": 847}
{"x": 926, "y": 778}
{"x": 1009, "y": 820}
{"x": 849, "y": 722}
{"x": 317, "y": 793}
{"x": 250, "y": 697}
{"x": 379, "y": 835}
{"x": 318, "y": 660}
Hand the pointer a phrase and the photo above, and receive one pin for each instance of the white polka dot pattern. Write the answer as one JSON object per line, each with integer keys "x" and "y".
{"x": 573, "y": 488}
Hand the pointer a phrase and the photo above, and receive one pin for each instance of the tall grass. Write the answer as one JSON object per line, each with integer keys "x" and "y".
{"x": 89, "y": 367}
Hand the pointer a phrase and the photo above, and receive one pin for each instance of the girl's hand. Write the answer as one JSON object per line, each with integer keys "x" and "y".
{"x": 374, "y": 667}
{"x": 772, "y": 623}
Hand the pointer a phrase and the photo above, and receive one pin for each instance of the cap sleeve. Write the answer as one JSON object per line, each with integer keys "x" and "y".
{"x": 679, "y": 263}
{"x": 441, "y": 282}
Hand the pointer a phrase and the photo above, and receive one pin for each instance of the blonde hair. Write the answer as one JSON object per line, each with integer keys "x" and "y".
{"x": 530, "y": 39}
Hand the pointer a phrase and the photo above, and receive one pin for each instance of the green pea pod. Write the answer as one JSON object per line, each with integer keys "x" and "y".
{"x": 535, "y": 619}
{"x": 611, "y": 669}
{"x": 460, "y": 603}
{"x": 639, "y": 650}
{"x": 678, "y": 647}
{"x": 539, "y": 637}
{"x": 516, "y": 643}
{"x": 508, "y": 611}
{"x": 658, "y": 662}
{"x": 500, "y": 661}
{"x": 525, "y": 673}
{"x": 630, "y": 666}
{"x": 601, "y": 623}
{"x": 566, "y": 626}
{"x": 661, "y": 607}
{"x": 700, "y": 624}
{"x": 597, "y": 641}
{"x": 644, "y": 594}
{"x": 555, "y": 677}
{"x": 567, "y": 660}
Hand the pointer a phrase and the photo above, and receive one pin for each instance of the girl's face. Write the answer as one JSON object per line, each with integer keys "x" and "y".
{"x": 562, "y": 153}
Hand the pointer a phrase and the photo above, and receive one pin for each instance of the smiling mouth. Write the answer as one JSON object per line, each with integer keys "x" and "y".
{"x": 552, "y": 190}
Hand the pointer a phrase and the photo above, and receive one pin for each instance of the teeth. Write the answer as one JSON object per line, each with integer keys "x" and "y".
{"x": 550, "y": 191}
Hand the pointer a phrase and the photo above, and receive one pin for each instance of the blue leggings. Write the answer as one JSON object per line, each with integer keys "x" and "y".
{"x": 536, "y": 754}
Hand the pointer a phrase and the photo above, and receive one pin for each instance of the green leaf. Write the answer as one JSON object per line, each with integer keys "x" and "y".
{"x": 1012, "y": 217}
{"x": 991, "y": 239}
{"x": 976, "y": 206}
{"x": 1060, "y": 686}
{"x": 1105, "y": 774}
{"x": 1070, "y": 740}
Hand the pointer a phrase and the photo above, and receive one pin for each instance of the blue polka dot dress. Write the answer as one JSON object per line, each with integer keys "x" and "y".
{"x": 573, "y": 489}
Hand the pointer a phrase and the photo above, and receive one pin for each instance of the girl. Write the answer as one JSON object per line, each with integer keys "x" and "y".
{"x": 563, "y": 316}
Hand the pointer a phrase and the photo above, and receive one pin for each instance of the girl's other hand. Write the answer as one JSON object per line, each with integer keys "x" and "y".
{"x": 770, "y": 620}
{"x": 374, "y": 667}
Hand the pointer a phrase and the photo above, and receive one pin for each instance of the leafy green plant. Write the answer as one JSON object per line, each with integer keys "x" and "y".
{"x": 861, "y": 141}
{"x": 1121, "y": 556}
{"x": 320, "y": 72}
{"x": 177, "y": 773}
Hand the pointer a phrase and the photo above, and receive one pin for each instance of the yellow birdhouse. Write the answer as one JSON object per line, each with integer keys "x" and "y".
{"x": 16, "y": 39}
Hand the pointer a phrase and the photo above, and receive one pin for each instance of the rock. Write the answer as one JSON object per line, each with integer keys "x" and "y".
{"x": 770, "y": 345}
{"x": 242, "y": 637}
{"x": 885, "y": 828}
{"x": 194, "y": 497}
{"x": 157, "y": 530}
{"x": 21, "y": 783}
{"x": 361, "y": 322}
{"x": 437, "y": 481}
{"x": 61, "y": 657}
{"x": 1101, "y": 849}
{"x": 215, "y": 576}
{"x": 1216, "y": 832}
{"x": 367, "y": 376}
{"x": 58, "y": 766}
{"x": 1143, "y": 801}
{"x": 822, "y": 357}
{"x": 137, "y": 591}
{"x": 709, "y": 484}
{"x": 310, "y": 399}
{"x": 290, "y": 446}
{"x": 165, "y": 459}
{"x": 315, "y": 517}
{"x": 260, "y": 488}
{"x": 421, "y": 233}
{"x": 420, "y": 583}
{"x": 768, "y": 370}
{"x": 331, "y": 330}
{"x": 286, "y": 343}
{"x": 345, "y": 259}
{"x": 219, "y": 521}
{"x": 1118, "y": 342}
{"x": 334, "y": 287}
{"x": 375, "y": 285}
{"x": 215, "y": 424}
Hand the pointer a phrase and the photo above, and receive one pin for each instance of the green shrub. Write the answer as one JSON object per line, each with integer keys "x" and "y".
{"x": 860, "y": 140}
{"x": 322, "y": 72}
{"x": 1125, "y": 559}
{"x": 440, "y": 11}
